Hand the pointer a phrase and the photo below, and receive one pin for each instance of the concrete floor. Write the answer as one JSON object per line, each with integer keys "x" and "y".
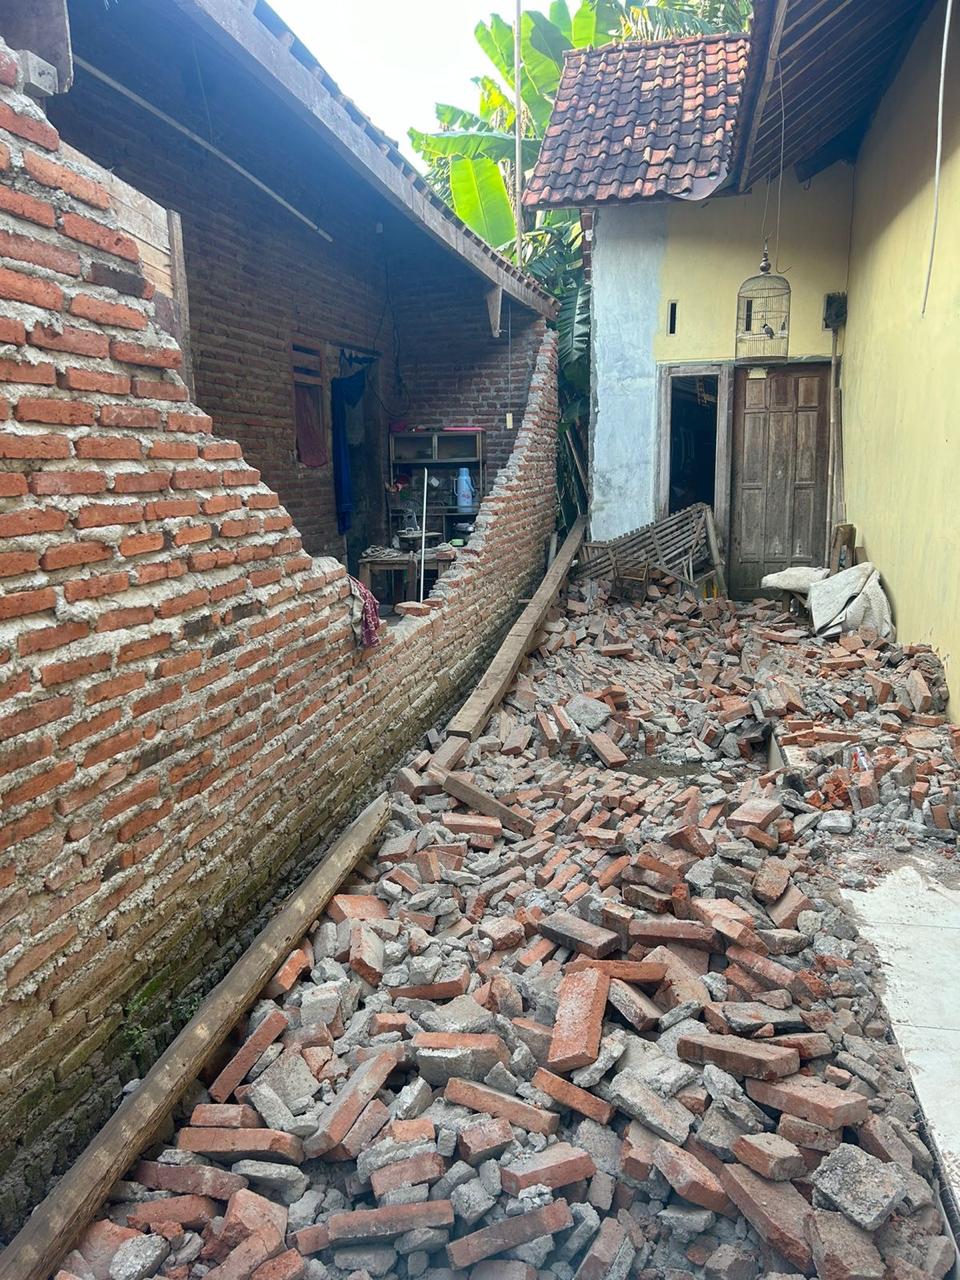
{"x": 914, "y": 923}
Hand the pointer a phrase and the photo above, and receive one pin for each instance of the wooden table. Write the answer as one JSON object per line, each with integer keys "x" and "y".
{"x": 405, "y": 562}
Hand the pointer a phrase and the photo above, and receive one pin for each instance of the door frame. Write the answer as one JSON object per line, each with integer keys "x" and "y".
{"x": 723, "y": 371}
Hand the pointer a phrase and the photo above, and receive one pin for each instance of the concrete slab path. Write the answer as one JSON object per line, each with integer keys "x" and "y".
{"x": 914, "y": 923}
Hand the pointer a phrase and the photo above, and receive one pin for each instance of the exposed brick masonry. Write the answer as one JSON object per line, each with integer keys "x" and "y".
{"x": 184, "y": 712}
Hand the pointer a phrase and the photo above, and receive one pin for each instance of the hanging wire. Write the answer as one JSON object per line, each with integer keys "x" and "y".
{"x": 939, "y": 163}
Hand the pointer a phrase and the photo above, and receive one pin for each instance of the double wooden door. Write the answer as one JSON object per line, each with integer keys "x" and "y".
{"x": 779, "y": 491}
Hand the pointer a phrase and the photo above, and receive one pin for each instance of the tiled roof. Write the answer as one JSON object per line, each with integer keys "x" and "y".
{"x": 637, "y": 120}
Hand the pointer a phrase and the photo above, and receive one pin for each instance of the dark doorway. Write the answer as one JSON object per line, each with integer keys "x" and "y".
{"x": 357, "y": 461}
{"x": 693, "y": 441}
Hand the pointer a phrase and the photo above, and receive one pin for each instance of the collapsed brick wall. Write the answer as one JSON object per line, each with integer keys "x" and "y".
{"x": 184, "y": 711}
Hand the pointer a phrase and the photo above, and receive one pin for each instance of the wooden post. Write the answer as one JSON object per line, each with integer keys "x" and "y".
{"x": 473, "y": 715}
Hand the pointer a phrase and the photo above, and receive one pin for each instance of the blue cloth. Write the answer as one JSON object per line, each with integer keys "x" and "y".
{"x": 345, "y": 393}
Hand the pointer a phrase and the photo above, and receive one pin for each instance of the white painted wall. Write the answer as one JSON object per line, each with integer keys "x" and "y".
{"x": 628, "y": 251}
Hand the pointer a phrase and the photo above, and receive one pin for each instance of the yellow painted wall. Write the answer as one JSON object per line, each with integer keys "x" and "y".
{"x": 901, "y": 381}
{"x": 712, "y": 248}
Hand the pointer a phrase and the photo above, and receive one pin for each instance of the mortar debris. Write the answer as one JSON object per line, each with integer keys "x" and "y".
{"x": 590, "y": 1011}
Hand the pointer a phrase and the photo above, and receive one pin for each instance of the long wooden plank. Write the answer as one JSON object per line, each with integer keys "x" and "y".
{"x": 55, "y": 1225}
{"x": 473, "y": 715}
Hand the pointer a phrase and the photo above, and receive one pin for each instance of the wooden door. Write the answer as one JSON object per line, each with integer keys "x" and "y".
{"x": 779, "y": 499}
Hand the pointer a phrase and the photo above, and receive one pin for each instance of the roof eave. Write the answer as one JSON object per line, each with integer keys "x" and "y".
{"x": 362, "y": 146}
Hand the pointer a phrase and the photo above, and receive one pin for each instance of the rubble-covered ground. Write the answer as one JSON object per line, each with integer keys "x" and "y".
{"x": 591, "y": 1012}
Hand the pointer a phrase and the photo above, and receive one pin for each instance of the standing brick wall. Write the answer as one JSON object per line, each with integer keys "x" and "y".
{"x": 184, "y": 712}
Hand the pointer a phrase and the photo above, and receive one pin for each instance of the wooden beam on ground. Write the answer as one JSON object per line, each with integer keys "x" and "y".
{"x": 470, "y": 720}
{"x": 53, "y": 1227}
{"x": 461, "y": 788}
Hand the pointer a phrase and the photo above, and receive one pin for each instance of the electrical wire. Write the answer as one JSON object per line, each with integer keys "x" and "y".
{"x": 939, "y": 163}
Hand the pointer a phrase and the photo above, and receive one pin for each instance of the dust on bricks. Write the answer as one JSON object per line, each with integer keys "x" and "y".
{"x": 591, "y": 1011}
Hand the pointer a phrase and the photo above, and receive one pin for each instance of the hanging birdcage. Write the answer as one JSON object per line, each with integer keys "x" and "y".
{"x": 763, "y": 315}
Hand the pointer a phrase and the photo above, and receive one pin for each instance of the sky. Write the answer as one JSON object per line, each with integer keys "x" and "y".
{"x": 396, "y": 58}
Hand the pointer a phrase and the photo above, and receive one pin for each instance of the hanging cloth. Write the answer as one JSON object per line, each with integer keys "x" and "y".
{"x": 345, "y": 393}
{"x": 311, "y": 437}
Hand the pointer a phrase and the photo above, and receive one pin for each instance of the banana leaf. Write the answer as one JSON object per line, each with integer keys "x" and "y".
{"x": 480, "y": 198}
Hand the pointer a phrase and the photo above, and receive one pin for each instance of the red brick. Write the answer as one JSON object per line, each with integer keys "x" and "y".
{"x": 115, "y": 314}
{"x": 17, "y": 604}
{"x": 111, "y": 384}
{"x": 12, "y": 484}
{"x": 356, "y": 906}
{"x": 12, "y": 331}
{"x": 572, "y": 1097}
{"x": 578, "y": 1027}
{"x": 68, "y": 413}
{"x": 46, "y": 638}
{"x": 288, "y": 1265}
{"x": 116, "y": 448}
{"x": 111, "y": 747}
{"x": 480, "y": 1097}
{"x": 201, "y": 1180}
{"x": 115, "y": 688}
{"x": 269, "y": 1029}
{"x": 811, "y": 1100}
{"x": 40, "y": 373}
{"x": 95, "y": 234}
{"x": 13, "y": 563}
{"x": 14, "y": 445}
{"x": 427, "y": 1167}
{"x": 148, "y": 389}
{"x": 40, "y": 253}
{"x": 341, "y": 1114}
{"x": 187, "y": 1211}
{"x": 771, "y": 1156}
{"x": 57, "y": 482}
{"x": 509, "y": 1233}
{"x": 558, "y": 1166}
{"x": 776, "y": 1211}
{"x": 60, "y": 178}
{"x": 740, "y": 1057}
{"x": 68, "y": 554}
{"x": 38, "y": 131}
{"x": 485, "y": 1140}
{"x": 19, "y": 287}
{"x": 242, "y": 1144}
{"x": 38, "y": 955}
{"x": 26, "y": 206}
{"x": 154, "y": 356}
{"x": 369, "y": 1225}
{"x": 81, "y": 342}
{"x": 689, "y": 1178}
{"x": 96, "y": 515}
{"x": 63, "y": 672}
{"x": 40, "y": 784}
{"x": 224, "y": 1115}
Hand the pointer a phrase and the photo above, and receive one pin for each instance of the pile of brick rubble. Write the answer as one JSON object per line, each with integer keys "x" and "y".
{"x": 587, "y": 1013}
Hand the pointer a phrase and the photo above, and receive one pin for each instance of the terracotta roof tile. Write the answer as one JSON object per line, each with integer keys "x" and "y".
{"x": 637, "y": 120}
